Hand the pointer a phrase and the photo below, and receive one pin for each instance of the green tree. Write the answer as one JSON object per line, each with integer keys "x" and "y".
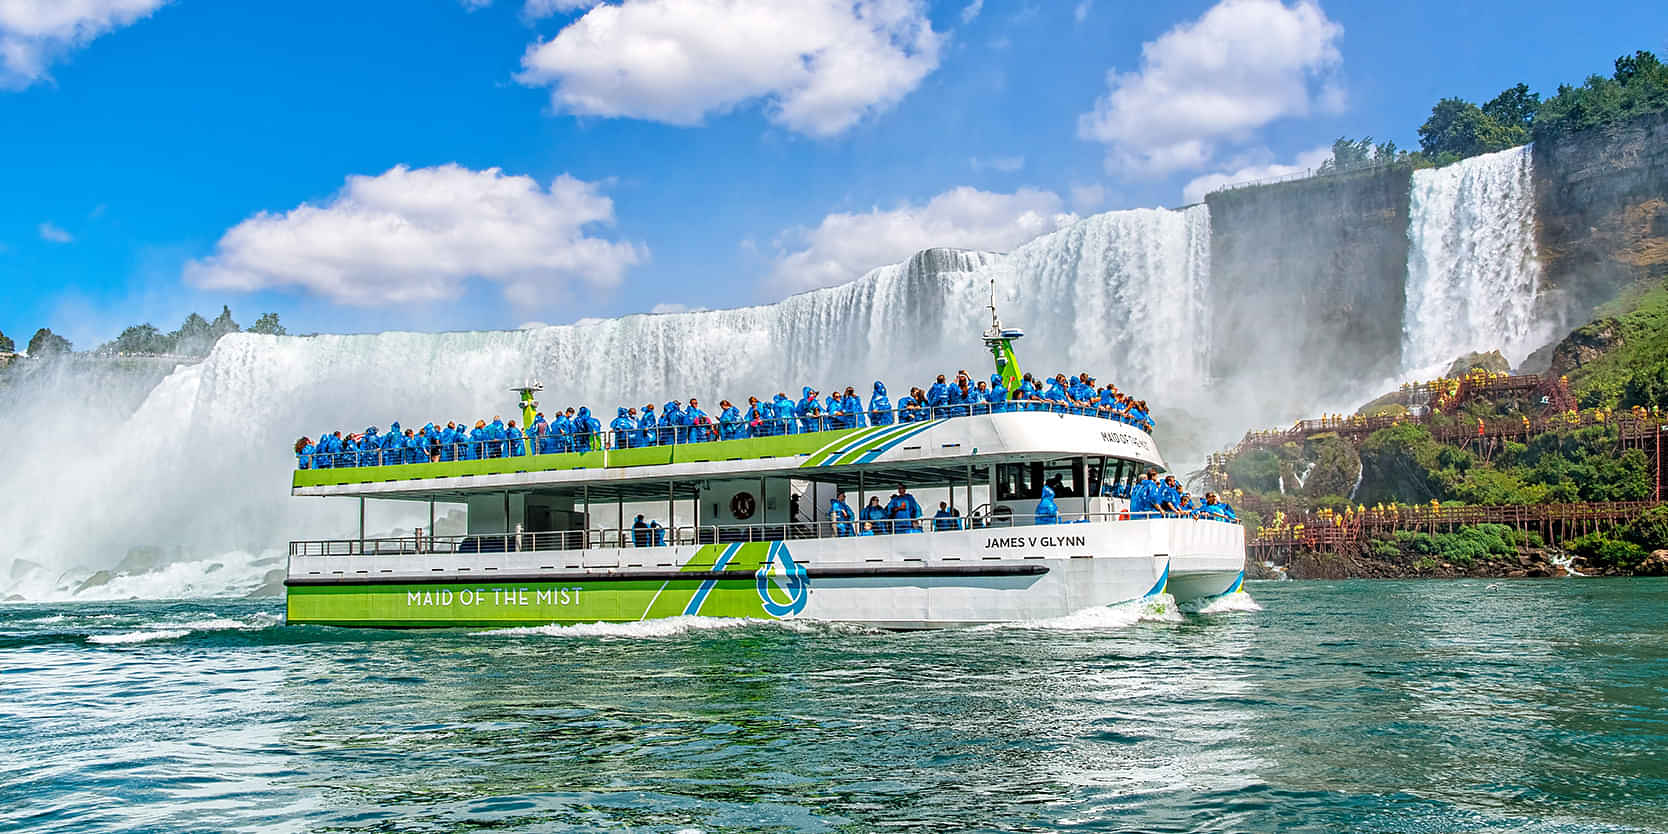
{"x": 223, "y": 323}
{"x": 1639, "y": 85}
{"x": 195, "y": 336}
{"x": 1348, "y": 154}
{"x": 1458, "y": 129}
{"x": 268, "y": 324}
{"x": 6, "y": 345}
{"x": 1514, "y": 108}
{"x": 47, "y": 343}
{"x": 142, "y": 338}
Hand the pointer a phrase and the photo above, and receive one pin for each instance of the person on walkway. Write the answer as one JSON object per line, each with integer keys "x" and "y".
{"x": 647, "y": 434}
{"x": 700, "y": 425}
{"x": 731, "y": 425}
{"x": 853, "y": 408}
{"x": 784, "y": 414}
{"x": 624, "y": 429}
{"x": 809, "y": 411}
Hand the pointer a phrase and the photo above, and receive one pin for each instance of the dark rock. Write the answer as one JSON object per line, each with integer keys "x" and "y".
{"x": 1655, "y": 564}
{"x": 97, "y": 580}
{"x": 1493, "y": 362}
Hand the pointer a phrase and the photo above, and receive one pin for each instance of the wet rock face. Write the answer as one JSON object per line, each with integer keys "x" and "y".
{"x": 1493, "y": 361}
{"x": 1585, "y": 344}
{"x": 1308, "y": 277}
{"x": 1601, "y": 199}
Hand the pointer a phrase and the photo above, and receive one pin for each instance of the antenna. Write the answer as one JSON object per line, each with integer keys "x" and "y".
{"x": 995, "y": 322}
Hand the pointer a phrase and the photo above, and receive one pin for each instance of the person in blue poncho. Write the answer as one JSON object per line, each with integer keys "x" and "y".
{"x": 1169, "y": 496}
{"x": 946, "y": 518}
{"x": 938, "y": 398}
{"x": 1058, "y": 399}
{"x": 541, "y": 435}
{"x": 903, "y": 509}
{"x": 657, "y": 534}
{"x": 580, "y": 440}
{"x": 647, "y": 432}
{"x": 875, "y": 518}
{"x": 1079, "y": 389}
{"x": 517, "y": 441}
{"x": 431, "y": 442}
{"x": 593, "y": 429}
{"x": 854, "y": 409}
{"x": 1143, "y": 497}
{"x": 700, "y": 425}
{"x": 761, "y": 417}
{"x": 624, "y": 430}
{"x": 640, "y": 532}
{"x": 840, "y": 513}
{"x": 323, "y": 457}
{"x": 348, "y": 457}
{"x": 447, "y": 436}
{"x": 1217, "y": 508}
{"x": 370, "y": 447}
{"x": 809, "y": 411}
{"x": 784, "y": 414}
{"x": 880, "y": 407}
{"x": 731, "y": 426}
{"x": 1047, "y": 511}
{"x": 561, "y": 427}
{"x": 667, "y": 432}
{"x": 997, "y": 396}
{"x": 834, "y": 411}
{"x": 304, "y": 453}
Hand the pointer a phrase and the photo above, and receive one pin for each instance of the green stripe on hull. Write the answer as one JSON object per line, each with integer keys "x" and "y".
{"x": 479, "y": 604}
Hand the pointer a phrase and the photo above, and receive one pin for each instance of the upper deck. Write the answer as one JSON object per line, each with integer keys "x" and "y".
{"x": 939, "y": 443}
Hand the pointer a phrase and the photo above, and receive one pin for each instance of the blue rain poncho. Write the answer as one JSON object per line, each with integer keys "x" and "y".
{"x": 647, "y": 434}
{"x": 903, "y": 510}
{"x": 1047, "y": 511}
{"x": 854, "y": 411}
{"x": 944, "y": 519}
{"x": 585, "y": 430}
{"x": 809, "y": 412}
{"x": 730, "y": 424}
{"x": 841, "y": 514}
{"x": 784, "y": 414}
{"x": 624, "y": 428}
{"x": 875, "y": 514}
{"x": 517, "y": 441}
{"x": 998, "y": 395}
{"x": 370, "y": 448}
{"x": 495, "y": 439}
{"x": 880, "y": 408}
{"x": 700, "y": 429}
{"x": 938, "y": 399}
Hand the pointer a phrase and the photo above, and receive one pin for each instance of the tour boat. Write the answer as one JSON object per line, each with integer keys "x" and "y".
{"x": 756, "y": 538}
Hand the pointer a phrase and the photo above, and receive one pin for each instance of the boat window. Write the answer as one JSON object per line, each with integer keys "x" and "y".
{"x": 1018, "y": 481}
{"x": 1065, "y": 476}
{"x": 1097, "y": 474}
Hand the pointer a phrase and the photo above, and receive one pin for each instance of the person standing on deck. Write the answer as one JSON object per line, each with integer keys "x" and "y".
{"x": 880, "y": 408}
{"x": 905, "y": 509}
{"x": 840, "y": 513}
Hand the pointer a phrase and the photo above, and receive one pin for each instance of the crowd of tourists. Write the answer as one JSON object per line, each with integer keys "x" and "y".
{"x": 578, "y": 430}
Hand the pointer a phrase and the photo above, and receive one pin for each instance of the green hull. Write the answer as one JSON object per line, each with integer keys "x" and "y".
{"x": 709, "y": 591}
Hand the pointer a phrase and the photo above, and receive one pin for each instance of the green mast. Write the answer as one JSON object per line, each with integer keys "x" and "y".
{"x": 1000, "y": 340}
{"x": 529, "y": 408}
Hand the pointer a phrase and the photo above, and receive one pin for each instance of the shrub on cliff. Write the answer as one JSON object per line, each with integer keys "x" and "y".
{"x": 1650, "y": 530}
{"x": 1605, "y": 553}
{"x": 1399, "y": 463}
{"x": 1256, "y": 471}
{"x": 1639, "y": 85}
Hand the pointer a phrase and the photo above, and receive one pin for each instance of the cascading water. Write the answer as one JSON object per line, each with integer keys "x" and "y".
{"x": 1472, "y": 273}
{"x": 188, "y": 491}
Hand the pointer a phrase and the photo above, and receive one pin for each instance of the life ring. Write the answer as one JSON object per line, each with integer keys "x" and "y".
{"x": 742, "y": 505}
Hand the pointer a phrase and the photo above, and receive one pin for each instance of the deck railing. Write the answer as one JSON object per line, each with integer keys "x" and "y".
{"x": 692, "y": 534}
{"x": 552, "y": 443}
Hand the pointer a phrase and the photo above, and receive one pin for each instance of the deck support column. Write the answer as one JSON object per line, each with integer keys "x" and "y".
{"x": 969, "y": 515}
{"x": 619, "y": 519}
{"x": 862, "y": 502}
{"x": 361, "y": 526}
{"x": 671, "y": 513}
{"x": 431, "y": 525}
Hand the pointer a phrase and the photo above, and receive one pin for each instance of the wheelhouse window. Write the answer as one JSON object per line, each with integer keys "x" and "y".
{"x": 1024, "y": 481}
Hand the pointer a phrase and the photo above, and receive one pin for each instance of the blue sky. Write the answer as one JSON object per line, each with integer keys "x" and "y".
{"x": 162, "y": 157}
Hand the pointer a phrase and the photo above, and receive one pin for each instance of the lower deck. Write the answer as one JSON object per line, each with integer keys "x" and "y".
{"x": 929, "y": 579}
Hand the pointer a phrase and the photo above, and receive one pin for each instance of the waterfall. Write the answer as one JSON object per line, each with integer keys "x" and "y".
{"x": 1472, "y": 273}
{"x": 188, "y": 479}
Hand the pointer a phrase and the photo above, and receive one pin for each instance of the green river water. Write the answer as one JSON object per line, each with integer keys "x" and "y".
{"x": 1419, "y": 706}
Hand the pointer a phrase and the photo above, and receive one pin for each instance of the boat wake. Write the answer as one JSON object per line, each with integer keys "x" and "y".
{"x": 99, "y": 630}
{"x": 647, "y": 629}
{"x": 1225, "y": 604}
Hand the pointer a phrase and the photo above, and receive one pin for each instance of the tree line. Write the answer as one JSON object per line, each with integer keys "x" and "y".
{"x": 194, "y": 337}
{"x": 1458, "y": 129}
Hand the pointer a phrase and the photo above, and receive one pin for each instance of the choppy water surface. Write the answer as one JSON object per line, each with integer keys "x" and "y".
{"x": 1391, "y": 706}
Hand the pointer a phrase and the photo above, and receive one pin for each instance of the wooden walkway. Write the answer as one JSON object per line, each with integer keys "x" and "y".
{"x": 1348, "y": 533}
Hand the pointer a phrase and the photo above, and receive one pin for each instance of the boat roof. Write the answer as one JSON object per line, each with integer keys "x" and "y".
{"x": 922, "y": 453}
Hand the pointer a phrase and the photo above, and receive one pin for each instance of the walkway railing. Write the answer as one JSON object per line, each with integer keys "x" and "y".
{"x": 689, "y": 534}
{"x": 419, "y": 449}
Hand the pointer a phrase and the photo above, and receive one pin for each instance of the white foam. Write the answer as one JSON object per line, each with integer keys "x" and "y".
{"x": 137, "y": 636}
{"x": 1227, "y": 603}
{"x": 1160, "y": 608}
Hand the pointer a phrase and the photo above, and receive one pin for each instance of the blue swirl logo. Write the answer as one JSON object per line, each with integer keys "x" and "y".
{"x": 780, "y": 576}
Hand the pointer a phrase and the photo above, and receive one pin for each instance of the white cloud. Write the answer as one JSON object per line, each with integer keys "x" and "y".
{"x": 1307, "y": 161}
{"x": 34, "y": 33}
{"x": 1081, "y": 12}
{"x": 1241, "y": 65}
{"x": 53, "y": 233}
{"x": 1088, "y": 197}
{"x": 844, "y": 246}
{"x": 415, "y": 235}
{"x": 970, "y": 12}
{"x": 818, "y": 66}
{"x": 1004, "y": 164}
{"x": 539, "y": 9}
